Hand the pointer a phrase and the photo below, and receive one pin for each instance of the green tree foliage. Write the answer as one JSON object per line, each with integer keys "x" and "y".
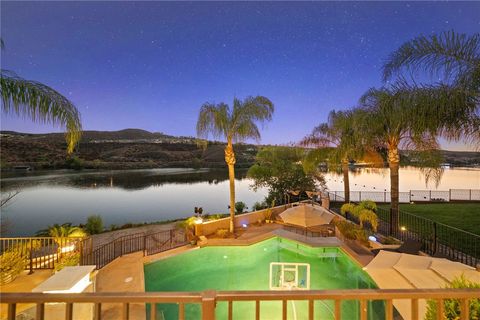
{"x": 65, "y": 230}
{"x": 347, "y": 207}
{"x": 393, "y": 120}
{"x": 40, "y": 103}
{"x": 280, "y": 169}
{"x": 452, "y": 306}
{"x": 452, "y": 93}
{"x": 259, "y": 206}
{"x": 338, "y": 142}
{"x": 363, "y": 212}
{"x": 74, "y": 163}
{"x": 12, "y": 264}
{"x": 94, "y": 224}
{"x": 352, "y": 231}
{"x": 235, "y": 125}
{"x": 239, "y": 207}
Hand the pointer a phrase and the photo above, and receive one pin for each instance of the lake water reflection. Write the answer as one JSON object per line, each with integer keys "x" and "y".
{"x": 137, "y": 196}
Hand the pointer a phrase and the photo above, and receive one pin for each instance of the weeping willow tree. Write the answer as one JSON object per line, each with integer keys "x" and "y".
{"x": 40, "y": 103}
{"x": 452, "y": 60}
{"x": 234, "y": 124}
{"x": 338, "y": 142}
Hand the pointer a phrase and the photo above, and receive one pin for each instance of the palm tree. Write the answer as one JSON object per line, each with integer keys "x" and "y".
{"x": 234, "y": 125}
{"x": 338, "y": 141}
{"x": 393, "y": 119}
{"x": 40, "y": 103}
{"x": 455, "y": 59}
{"x": 65, "y": 230}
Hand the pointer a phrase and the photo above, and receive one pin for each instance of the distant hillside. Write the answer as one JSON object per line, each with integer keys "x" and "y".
{"x": 135, "y": 148}
{"x": 124, "y": 149}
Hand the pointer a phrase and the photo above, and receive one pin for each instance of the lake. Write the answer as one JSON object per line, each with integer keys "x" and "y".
{"x": 138, "y": 196}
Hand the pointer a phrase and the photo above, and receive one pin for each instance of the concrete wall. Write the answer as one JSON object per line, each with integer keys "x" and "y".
{"x": 211, "y": 227}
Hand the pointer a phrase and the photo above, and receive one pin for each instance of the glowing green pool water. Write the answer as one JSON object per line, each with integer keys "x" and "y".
{"x": 247, "y": 268}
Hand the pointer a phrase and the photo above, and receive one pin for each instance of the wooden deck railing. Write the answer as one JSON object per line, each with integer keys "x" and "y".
{"x": 208, "y": 301}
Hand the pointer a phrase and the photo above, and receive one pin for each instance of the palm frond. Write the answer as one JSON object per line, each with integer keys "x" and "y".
{"x": 40, "y": 103}
{"x": 450, "y": 52}
{"x": 213, "y": 119}
{"x": 238, "y": 123}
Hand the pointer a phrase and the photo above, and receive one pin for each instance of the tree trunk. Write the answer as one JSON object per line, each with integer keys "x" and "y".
{"x": 346, "y": 181}
{"x": 394, "y": 164}
{"x": 230, "y": 160}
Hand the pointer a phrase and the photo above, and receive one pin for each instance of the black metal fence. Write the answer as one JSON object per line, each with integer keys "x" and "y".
{"x": 41, "y": 252}
{"x": 46, "y": 252}
{"x": 148, "y": 243}
{"x": 410, "y": 196}
{"x": 438, "y": 239}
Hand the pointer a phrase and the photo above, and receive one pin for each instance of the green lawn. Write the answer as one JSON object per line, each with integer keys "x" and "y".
{"x": 465, "y": 216}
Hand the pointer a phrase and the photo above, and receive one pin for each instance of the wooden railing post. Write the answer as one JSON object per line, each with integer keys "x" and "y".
{"x": 208, "y": 305}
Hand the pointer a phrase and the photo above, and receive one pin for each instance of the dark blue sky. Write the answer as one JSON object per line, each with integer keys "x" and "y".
{"x": 151, "y": 65}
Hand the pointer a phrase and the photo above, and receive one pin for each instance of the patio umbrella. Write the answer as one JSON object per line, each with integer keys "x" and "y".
{"x": 306, "y": 216}
{"x": 392, "y": 270}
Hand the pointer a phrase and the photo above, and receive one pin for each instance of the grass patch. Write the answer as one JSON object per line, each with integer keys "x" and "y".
{"x": 465, "y": 216}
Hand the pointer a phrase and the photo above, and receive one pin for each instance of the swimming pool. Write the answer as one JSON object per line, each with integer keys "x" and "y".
{"x": 248, "y": 268}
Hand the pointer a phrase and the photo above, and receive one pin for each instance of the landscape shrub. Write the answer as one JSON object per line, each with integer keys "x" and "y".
{"x": 259, "y": 206}
{"x": 368, "y": 204}
{"x": 347, "y": 207}
{"x": 222, "y": 233}
{"x": 352, "y": 231}
{"x": 366, "y": 215}
{"x": 74, "y": 163}
{"x": 452, "y": 306}
{"x": 67, "y": 260}
{"x": 94, "y": 224}
{"x": 11, "y": 265}
{"x": 239, "y": 207}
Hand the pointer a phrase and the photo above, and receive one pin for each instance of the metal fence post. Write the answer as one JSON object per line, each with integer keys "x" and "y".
{"x": 144, "y": 245}
{"x": 449, "y": 194}
{"x": 409, "y": 196}
{"x": 360, "y": 196}
{"x": 31, "y": 257}
{"x": 434, "y": 237}
{"x": 470, "y": 196}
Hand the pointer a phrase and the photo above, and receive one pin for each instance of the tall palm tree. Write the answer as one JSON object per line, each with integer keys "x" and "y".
{"x": 40, "y": 103}
{"x": 338, "y": 141}
{"x": 454, "y": 60}
{"x": 394, "y": 120}
{"x": 235, "y": 125}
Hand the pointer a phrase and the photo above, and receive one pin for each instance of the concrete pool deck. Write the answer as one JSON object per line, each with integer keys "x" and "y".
{"x": 126, "y": 274}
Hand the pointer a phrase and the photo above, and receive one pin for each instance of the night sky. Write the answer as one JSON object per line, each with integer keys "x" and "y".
{"x": 151, "y": 65}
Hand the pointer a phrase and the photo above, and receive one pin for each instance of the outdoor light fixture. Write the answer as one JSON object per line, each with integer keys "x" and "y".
{"x": 244, "y": 225}
{"x": 372, "y": 238}
{"x": 403, "y": 228}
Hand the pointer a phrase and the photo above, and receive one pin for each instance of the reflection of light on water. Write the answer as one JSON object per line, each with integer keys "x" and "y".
{"x": 374, "y": 179}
